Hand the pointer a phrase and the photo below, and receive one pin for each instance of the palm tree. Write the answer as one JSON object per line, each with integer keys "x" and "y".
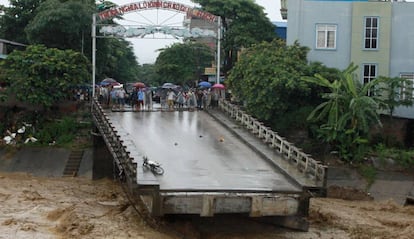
{"x": 348, "y": 112}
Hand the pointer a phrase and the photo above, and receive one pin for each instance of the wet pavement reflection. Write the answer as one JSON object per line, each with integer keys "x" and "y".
{"x": 198, "y": 153}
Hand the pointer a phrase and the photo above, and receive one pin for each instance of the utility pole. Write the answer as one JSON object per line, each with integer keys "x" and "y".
{"x": 93, "y": 53}
{"x": 218, "y": 49}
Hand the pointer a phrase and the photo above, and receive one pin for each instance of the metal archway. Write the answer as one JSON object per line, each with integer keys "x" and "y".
{"x": 151, "y": 5}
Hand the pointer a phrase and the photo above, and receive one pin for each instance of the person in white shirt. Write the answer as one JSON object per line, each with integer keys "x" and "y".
{"x": 170, "y": 99}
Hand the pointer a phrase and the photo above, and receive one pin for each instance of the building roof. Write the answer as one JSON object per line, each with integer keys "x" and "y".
{"x": 280, "y": 24}
{"x": 11, "y": 42}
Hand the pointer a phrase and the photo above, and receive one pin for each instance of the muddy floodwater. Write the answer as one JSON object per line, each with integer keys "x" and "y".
{"x": 34, "y": 207}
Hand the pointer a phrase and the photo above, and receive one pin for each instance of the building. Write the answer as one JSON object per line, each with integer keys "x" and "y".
{"x": 376, "y": 35}
{"x": 209, "y": 73}
{"x": 5, "y": 44}
{"x": 281, "y": 29}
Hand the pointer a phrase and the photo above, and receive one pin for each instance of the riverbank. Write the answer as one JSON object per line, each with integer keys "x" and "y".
{"x": 37, "y": 202}
{"x": 343, "y": 181}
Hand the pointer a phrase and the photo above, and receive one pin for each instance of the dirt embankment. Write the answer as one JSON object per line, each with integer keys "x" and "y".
{"x": 80, "y": 208}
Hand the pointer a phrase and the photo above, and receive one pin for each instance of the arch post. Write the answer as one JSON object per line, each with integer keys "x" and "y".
{"x": 218, "y": 49}
{"x": 93, "y": 53}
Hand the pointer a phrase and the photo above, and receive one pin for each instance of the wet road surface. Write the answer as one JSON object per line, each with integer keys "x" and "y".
{"x": 198, "y": 153}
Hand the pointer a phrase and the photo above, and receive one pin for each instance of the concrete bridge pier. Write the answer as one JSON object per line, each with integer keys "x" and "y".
{"x": 103, "y": 166}
{"x": 151, "y": 199}
{"x": 296, "y": 222}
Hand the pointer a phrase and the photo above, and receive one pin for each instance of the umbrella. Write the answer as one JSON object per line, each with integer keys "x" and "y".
{"x": 139, "y": 85}
{"x": 111, "y": 84}
{"x": 204, "y": 84}
{"x": 169, "y": 86}
{"x": 109, "y": 81}
{"x": 218, "y": 86}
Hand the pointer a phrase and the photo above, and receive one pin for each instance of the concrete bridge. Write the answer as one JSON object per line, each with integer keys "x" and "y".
{"x": 220, "y": 161}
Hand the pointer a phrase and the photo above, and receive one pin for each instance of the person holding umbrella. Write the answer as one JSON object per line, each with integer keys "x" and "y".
{"x": 204, "y": 84}
{"x": 170, "y": 99}
{"x": 148, "y": 99}
{"x": 214, "y": 98}
{"x": 140, "y": 96}
{"x": 180, "y": 100}
{"x": 133, "y": 98}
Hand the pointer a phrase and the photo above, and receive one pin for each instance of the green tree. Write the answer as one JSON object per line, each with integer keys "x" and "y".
{"x": 347, "y": 114}
{"x": 15, "y": 19}
{"x": 267, "y": 79}
{"x": 62, "y": 24}
{"x": 244, "y": 24}
{"x": 183, "y": 63}
{"x": 395, "y": 92}
{"x": 43, "y": 76}
{"x": 147, "y": 74}
{"x": 66, "y": 24}
{"x": 116, "y": 59}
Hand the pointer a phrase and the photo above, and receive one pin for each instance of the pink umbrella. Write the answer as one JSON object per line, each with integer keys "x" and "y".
{"x": 218, "y": 86}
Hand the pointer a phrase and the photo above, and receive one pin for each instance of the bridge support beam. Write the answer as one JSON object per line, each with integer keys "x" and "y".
{"x": 102, "y": 159}
{"x": 150, "y": 198}
{"x": 409, "y": 200}
{"x": 207, "y": 206}
{"x": 292, "y": 222}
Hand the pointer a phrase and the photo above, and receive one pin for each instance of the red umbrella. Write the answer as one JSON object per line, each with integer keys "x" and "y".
{"x": 139, "y": 85}
{"x": 218, "y": 86}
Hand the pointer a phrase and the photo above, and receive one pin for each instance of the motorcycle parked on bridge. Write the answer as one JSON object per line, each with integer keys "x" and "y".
{"x": 155, "y": 167}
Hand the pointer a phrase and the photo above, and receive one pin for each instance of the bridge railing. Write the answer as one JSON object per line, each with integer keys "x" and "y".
{"x": 305, "y": 164}
{"x": 125, "y": 164}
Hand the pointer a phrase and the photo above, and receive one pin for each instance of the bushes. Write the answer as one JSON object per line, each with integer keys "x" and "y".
{"x": 403, "y": 157}
{"x": 59, "y": 132}
{"x": 291, "y": 120}
{"x": 46, "y": 127}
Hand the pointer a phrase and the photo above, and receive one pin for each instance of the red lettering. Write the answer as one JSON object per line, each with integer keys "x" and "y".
{"x": 176, "y": 7}
{"x": 133, "y": 7}
{"x": 113, "y": 12}
{"x": 122, "y": 9}
{"x": 156, "y": 4}
{"x": 183, "y": 8}
{"x": 103, "y": 15}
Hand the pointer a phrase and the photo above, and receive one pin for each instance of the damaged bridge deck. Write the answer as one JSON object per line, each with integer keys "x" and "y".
{"x": 210, "y": 168}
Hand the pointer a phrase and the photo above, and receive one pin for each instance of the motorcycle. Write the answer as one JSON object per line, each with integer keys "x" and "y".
{"x": 155, "y": 167}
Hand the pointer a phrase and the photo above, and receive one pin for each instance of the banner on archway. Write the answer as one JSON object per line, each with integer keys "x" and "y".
{"x": 156, "y": 4}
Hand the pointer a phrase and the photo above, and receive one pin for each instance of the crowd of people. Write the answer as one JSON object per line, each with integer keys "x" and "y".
{"x": 193, "y": 99}
{"x": 116, "y": 98}
{"x": 81, "y": 94}
{"x": 141, "y": 99}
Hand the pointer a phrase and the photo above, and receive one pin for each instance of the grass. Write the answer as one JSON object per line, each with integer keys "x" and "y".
{"x": 63, "y": 132}
{"x": 403, "y": 157}
{"x": 369, "y": 173}
{"x": 50, "y": 128}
